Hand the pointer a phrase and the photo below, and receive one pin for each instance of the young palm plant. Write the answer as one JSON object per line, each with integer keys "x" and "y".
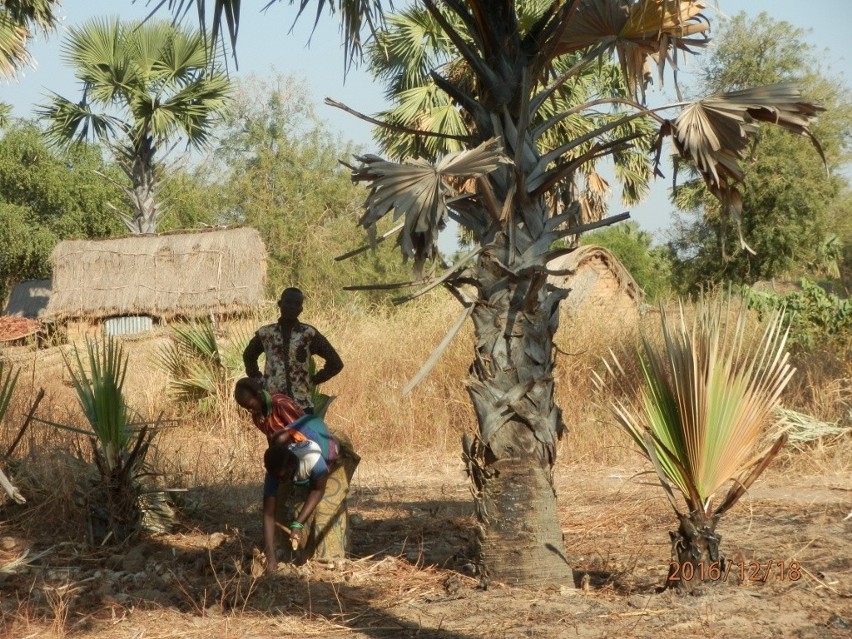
{"x": 707, "y": 400}
{"x": 116, "y": 495}
{"x": 201, "y": 368}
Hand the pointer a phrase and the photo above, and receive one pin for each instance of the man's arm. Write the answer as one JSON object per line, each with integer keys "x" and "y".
{"x": 253, "y": 350}
{"x": 333, "y": 364}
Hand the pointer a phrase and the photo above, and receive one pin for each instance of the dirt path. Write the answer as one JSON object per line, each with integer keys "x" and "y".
{"x": 410, "y": 575}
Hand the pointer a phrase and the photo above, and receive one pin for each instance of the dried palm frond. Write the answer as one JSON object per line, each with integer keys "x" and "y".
{"x": 708, "y": 399}
{"x": 715, "y": 132}
{"x": 639, "y": 32}
{"x": 418, "y": 192}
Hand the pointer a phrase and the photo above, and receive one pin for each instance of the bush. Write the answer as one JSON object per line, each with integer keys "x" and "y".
{"x": 817, "y": 318}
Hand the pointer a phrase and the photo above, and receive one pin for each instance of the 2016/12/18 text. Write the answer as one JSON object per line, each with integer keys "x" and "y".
{"x": 748, "y": 571}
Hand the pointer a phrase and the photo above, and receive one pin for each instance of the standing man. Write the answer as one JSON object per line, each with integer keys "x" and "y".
{"x": 289, "y": 345}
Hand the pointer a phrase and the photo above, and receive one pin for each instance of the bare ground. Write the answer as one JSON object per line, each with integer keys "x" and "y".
{"x": 409, "y": 574}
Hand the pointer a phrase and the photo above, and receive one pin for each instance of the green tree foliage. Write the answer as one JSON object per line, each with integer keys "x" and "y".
{"x": 650, "y": 267}
{"x": 276, "y": 169}
{"x": 145, "y": 86}
{"x": 46, "y": 195}
{"x": 791, "y": 205}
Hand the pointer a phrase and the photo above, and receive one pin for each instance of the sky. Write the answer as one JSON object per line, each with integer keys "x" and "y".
{"x": 267, "y": 46}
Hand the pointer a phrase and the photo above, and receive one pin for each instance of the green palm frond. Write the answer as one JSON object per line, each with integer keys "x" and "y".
{"x": 708, "y": 398}
{"x": 99, "y": 384}
{"x": 19, "y": 21}
{"x": 200, "y": 367}
{"x": 418, "y": 191}
{"x": 8, "y": 380}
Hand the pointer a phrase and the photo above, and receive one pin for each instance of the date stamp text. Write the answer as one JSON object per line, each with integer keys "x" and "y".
{"x": 741, "y": 571}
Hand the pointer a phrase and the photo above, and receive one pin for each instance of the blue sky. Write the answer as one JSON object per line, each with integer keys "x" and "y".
{"x": 266, "y": 45}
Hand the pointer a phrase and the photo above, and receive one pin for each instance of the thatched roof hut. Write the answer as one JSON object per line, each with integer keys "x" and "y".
{"x": 599, "y": 284}
{"x": 28, "y": 299}
{"x": 181, "y": 274}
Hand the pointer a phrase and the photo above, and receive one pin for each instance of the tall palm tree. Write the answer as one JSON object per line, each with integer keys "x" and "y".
{"x": 502, "y": 282}
{"x": 19, "y": 20}
{"x": 413, "y": 44}
{"x": 144, "y": 86}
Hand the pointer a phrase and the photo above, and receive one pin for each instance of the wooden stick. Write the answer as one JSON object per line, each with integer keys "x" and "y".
{"x": 27, "y": 421}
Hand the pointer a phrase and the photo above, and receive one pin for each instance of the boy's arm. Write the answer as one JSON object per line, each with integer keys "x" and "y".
{"x": 269, "y": 533}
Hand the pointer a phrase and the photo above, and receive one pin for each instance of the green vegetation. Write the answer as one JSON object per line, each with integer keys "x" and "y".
{"x": 200, "y": 366}
{"x": 114, "y": 495}
{"x": 46, "y": 195}
{"x": 145, "y": 85}
{"x": 818, "y": 319}
{"x": 794, "y": 220}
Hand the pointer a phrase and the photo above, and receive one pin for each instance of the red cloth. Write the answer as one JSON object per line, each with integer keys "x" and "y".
{"x": 284, "y": 411}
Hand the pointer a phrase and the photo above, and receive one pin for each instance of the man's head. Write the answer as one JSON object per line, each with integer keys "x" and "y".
{"x": 291, "y": 303}
{"x": 280, "y": 461}
{"x": 249, "y": 394}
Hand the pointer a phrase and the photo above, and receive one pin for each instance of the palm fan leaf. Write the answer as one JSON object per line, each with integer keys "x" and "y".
{"x": 418, "y": 192}
{"x": 638, "y": 32}
{"x": 708, "y": 397}
{"x": 18, "y": 22}
{"x": 714, "y": 133}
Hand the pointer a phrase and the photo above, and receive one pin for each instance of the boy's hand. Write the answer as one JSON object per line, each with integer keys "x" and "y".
{"x": 296, "y": 531}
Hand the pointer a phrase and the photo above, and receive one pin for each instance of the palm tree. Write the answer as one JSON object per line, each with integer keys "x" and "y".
{"x": 414, "y": 44}
{"x": 144, "y": 85}
{"x": 502, "y": 282}
{"x": 19, "y": 19}
{"x": 705, "y": 406}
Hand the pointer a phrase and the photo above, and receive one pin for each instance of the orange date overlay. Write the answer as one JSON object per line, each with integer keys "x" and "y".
{"x": 762, "y": 571}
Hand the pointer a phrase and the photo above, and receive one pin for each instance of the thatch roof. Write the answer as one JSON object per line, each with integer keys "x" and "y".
{"x": 28, "y": 299}
{"x": 597, "y": 280}
{"x": 180, "y": 274}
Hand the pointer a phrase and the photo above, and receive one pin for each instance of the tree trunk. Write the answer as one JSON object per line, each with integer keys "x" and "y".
{"x": 695, "y": 553}
{"x": 137, "y": 162}
{"x": 519, "y": 540}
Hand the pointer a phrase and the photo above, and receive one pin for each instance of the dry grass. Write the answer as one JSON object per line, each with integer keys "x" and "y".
{"x": 410, "y": 488}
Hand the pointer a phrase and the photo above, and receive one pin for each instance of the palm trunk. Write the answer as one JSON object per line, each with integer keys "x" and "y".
{"x": 519, "y": 540}
{"x": 695, "y": 552}
{"x": 137, "y": 162}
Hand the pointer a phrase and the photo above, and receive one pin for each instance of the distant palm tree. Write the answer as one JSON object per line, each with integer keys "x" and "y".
{"x": 19, "y": 19}
{"x": 144, "y": 86}
{"x": 517, "y": 156}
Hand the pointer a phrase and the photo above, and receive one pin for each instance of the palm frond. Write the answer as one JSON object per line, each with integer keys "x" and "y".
{"x": 418, "y": 191}
{"x": 99, "y": 384}
{"x": 708, "y": 396}
{"x": 19, "y": 21}
{"x": 355, "y": 16}
{"x": 715, "y": 132}
{"x": 638, "y": 32}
